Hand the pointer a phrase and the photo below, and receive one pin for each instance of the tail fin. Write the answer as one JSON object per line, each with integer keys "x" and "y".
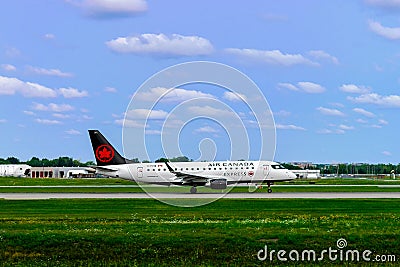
{"x": 104, "y": 152}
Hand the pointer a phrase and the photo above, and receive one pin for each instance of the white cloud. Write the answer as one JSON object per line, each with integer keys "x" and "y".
{"x": 61, "y": 116}
{"x": 110, "y": 90}
{"x": 288, "y": 86}
{"x": 143, "y": 114}
{"x": 361, "y": 121}
{"x": 72, "y": 92}
{"x": 386, "y": 32}
{"x": 8, "y": 67}
{"x": 174, "y": 95}
{"x": 319, "y": 54}
{"x": 110, "y": 8}
{"x": 153, "y": 132}
{"x": 73, "y": 132}
{"x": 48, "y": 122}
{"x": 376, "y": 99}
{"x": 131, "y": 123}
{"x": 310, "y": 87}
{"x": 231, "y": 96}
{"x": 346, "y": 127}
{"x": 49, "y": 36}
{"x": 206, "y": 129}
{"x": 329, "y": 131}
{"x": 11, "y": 86}
{"x": 49, "y": 72}
{"x": 274, "y": 57}
{"x": 330, "y": 112}
{"x": 356, "y": 89}
{"x": 386, "y": 153}
{"x": 377, "y": 126}
{"x": 13, "y": 52}
{"x": 383, "y": 122}
{"x": 86, "y": 117}
{"x": 283, "y": 113}
{"x": 307, "y": 87}
{"x": 29, "y": 113}
{"x": 161, "y": 44}
{"x": 364, "y": 112}
{"x": 52, "y": 107}
{"x": 289, "y": 127}
{"x": 210, "y": 111}
{"x": 3, "y": 120}
{"x": 337, "y": 104}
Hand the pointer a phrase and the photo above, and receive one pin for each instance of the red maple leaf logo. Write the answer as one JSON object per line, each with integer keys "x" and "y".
{"x": 104, "y": 153}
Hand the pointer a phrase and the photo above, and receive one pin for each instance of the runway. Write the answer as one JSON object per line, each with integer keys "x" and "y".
{"x": 310, "y": 195}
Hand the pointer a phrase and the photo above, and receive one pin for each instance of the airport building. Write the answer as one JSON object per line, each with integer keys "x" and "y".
{"x": 62, "y": 172}
{"x": 24, "y": 170}
{"x": 15, "y": 170}
{"x": 310, "y": 174}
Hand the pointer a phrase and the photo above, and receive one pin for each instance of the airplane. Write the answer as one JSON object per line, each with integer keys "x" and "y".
{"x": 216, "y": 174}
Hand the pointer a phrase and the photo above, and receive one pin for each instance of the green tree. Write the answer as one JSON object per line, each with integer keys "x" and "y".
{"x": 34, "y": 162}
{"x": 181, "y": 159}
{"x": 13, "y": 160}
{"x": 161, "y": 160}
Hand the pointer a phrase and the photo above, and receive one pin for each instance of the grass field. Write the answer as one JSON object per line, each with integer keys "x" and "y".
{"x": 28, "y": 185}
{"x": 225, "y": 233}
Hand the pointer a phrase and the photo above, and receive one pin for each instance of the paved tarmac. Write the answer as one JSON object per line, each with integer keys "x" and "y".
{"x": 291, "y": 195}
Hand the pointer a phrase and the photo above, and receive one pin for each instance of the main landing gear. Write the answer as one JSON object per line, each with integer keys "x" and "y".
{"x": 269, "y": 188}
{"x": 193, "y": 190}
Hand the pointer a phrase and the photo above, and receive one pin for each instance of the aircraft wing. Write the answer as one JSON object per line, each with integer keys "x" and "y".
{"x": 188, "y": 177}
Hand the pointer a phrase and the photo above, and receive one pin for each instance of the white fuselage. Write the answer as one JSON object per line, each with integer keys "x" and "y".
{"x": 232, "y": 171}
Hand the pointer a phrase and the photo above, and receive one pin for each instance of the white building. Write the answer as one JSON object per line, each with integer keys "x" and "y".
{"x": 62, "y": 172}
{"x": 15, "y": 170}
{"x": 310, "y": 174}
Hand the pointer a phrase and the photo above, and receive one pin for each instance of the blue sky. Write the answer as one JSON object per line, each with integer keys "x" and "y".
{"x": 329, "y": 70}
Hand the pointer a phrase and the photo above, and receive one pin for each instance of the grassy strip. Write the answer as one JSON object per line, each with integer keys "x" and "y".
{"x": 226, "y": 232}
{"x": 12, "y": 181}
{"x": 165, "y": 189}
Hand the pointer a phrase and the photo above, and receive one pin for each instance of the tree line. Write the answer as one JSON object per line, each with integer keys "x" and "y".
{"x": 70, "y": 162}
{"x": 58, "y": 162}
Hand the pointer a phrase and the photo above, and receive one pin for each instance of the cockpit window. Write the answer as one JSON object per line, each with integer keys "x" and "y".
{"x": 277, "y": 167}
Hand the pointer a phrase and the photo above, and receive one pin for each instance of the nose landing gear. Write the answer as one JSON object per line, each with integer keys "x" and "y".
{"x": 193, "y": 190}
